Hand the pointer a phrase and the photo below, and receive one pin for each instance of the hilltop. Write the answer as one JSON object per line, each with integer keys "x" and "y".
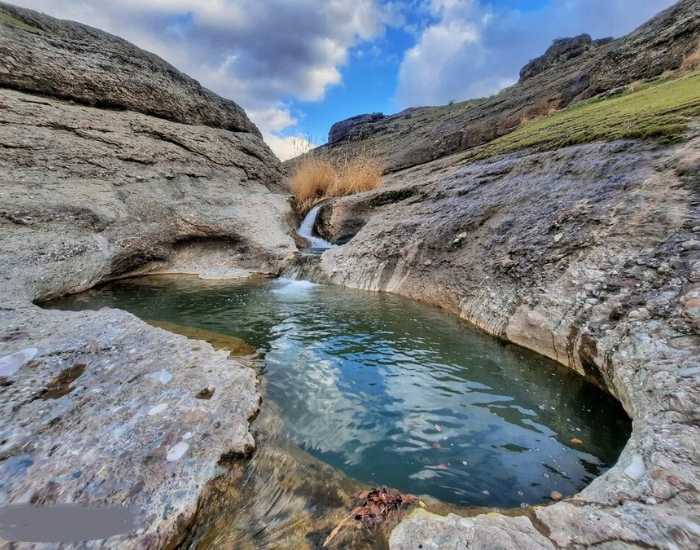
{"x": 571, "y": 71}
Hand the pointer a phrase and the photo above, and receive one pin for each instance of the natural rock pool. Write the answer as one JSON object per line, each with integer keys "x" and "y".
{"x": 394, "y": 392}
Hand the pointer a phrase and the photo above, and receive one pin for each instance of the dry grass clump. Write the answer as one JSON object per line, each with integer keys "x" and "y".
{"x": 318, "y": 177}
{"x": 692, "y": 62}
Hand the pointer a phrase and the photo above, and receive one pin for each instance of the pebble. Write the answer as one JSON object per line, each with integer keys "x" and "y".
{"x": 176, "y": 452}
{"x": 636, "y": 469}
{"x": 158, "y": 409}
{"x": 162, "y": 375}
{"x": 10, "y": 364}
{"x": 689, "y": 372}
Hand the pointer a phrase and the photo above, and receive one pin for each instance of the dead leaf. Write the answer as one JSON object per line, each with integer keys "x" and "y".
{"x": 379, "y": 506}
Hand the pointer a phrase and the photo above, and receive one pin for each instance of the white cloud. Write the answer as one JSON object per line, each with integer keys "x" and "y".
{"x": 287, "y": 147}
{"x": 265, "y": 53}
{"x": 470, "y": 49}
{"x": 256, "y": 52}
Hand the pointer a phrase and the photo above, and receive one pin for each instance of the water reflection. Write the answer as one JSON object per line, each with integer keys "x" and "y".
{"x": 397, "y": 393}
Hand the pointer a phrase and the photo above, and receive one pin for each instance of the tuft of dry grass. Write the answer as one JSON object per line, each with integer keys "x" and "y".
{"x": 692, "y": 61}
{"x": 318, "y": 177}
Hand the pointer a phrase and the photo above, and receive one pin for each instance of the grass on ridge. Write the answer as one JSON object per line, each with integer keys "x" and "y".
{"x": 14, "y": 22}
{"x": 660, "y": 110}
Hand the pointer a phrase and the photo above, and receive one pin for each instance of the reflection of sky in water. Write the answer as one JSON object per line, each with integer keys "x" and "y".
{"x": 401, "y": 394}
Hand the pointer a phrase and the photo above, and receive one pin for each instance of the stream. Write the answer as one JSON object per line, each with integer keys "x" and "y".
{"x": 392, "y": 392}
{"x": 369, "y": 389}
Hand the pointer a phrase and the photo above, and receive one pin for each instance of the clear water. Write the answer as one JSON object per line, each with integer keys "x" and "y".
{"x": 397, "y": 393}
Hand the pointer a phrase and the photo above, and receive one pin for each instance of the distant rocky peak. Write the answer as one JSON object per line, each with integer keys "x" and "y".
{"x": 561, "y": 50}
{"x": 351, "y": 129}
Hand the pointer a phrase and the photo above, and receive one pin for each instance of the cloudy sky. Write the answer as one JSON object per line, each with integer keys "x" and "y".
{"x": 298, "y": 66}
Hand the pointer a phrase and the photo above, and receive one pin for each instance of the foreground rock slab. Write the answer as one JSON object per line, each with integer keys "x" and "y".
{"x": 129, "y": 430}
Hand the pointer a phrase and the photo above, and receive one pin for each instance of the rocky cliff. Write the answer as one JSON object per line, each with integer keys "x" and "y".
{"x": 112, "y": 162}
{"x": 572, "y": 70}
{"x": 589, "y": 254}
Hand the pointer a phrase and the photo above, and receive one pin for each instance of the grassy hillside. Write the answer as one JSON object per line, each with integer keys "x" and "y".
{"x": 661, "y": 110}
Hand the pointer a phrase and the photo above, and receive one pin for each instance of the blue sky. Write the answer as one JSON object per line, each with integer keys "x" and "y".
{"x": 298, "y": 66}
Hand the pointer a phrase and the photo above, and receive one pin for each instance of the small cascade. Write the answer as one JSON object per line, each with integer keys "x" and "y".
{"x": 307, "y": 228}
{"x": 306, "y": 263}
{"x": 306, "y": 266}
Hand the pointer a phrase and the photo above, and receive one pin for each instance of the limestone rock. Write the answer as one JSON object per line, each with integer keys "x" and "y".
{"x": 593, "y": 300}
{"x": 68, "y": 60}
{"x": 486, "y": 532}
{"x": 561, "y": 50}
{"x": 352, "y": 129}
{"x": 114, "y": 163}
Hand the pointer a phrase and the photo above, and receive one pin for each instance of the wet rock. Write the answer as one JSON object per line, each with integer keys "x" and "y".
{"x": 432, "y": 532}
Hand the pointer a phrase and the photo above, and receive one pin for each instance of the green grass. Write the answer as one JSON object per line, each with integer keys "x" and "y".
{"x": 14, "y": 22}
{"x": 660, "y": 111}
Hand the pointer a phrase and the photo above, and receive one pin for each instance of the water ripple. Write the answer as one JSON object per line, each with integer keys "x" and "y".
{"x": 397, "y": 393}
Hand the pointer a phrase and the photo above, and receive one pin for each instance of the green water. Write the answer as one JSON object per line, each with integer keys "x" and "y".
{"x": 396, "y": 393}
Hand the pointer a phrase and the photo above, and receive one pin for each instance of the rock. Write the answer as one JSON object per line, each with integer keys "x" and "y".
{"x": 561, "y": 50}
{"x": 636, "y": 469}
{"x": 459, "y": 239}
{"x": 692, "y": 244}
{"x": 432, "y": 532}
{"x": 10, "y": 364}
{"x": 71, "y": 61}
{"x": 352, "y": 129}
{"x": 114, "y": 163}
{"x": 640, "y": 313}
{"x": 535, "y": 319}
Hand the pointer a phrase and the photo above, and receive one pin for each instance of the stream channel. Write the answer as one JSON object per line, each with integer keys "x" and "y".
{"x": 379, "y": 390}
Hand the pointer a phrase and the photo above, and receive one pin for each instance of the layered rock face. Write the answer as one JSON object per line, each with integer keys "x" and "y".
{"x": 571, "y": 70}
{"x": 111, "y": 163}
{"x": 589, "y": 255}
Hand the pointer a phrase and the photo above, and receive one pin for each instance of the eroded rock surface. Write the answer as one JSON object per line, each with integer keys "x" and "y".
{"x": 114, "y": 163}
{"x": 73, "y": 61}
{"x": 589, "y": 255}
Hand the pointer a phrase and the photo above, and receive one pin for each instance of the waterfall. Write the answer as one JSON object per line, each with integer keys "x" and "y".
{"x": 307, "y": 228}
{"x": 306, "y": 263}
{"x": 305, "y": 266}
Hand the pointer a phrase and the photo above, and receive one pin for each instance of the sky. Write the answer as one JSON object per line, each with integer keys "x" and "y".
{"x": 298, "y": 66}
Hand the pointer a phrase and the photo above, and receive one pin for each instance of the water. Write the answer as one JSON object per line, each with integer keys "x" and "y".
{"x": 393, "y": 392}
{"x": 307, "y": 228}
